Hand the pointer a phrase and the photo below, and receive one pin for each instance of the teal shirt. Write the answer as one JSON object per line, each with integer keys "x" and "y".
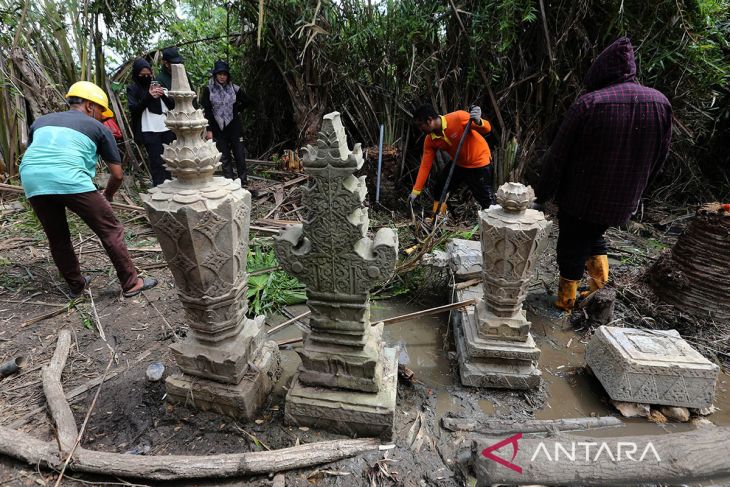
{"x": 62, "y": 155}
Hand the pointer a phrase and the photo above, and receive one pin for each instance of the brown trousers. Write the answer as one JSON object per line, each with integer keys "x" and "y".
{"x": 97, "y": 213}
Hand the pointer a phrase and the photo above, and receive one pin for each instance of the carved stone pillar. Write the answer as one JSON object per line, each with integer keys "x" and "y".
{"x": 347, "y": 380}
{"x": 494, "y": 342}
{"x": 202, "y": 225}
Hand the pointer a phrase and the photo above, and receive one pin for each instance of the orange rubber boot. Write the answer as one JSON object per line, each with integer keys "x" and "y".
{"x": 567, "y": 290}
{"x": 597, "y": 268}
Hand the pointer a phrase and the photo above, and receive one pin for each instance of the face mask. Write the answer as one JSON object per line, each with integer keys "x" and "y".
{"x": 145, "y": 80}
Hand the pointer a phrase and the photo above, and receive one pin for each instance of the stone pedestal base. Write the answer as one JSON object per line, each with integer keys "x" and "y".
{"x": 241, "y": 400}
{"x": 347, "y": 412}
{"x": 221, "y": 362}
{"x": 342, "y": 367}
{"x": 494, "y": 363}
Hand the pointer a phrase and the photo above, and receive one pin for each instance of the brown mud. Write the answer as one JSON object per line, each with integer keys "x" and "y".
{"x": 132, "y": 416}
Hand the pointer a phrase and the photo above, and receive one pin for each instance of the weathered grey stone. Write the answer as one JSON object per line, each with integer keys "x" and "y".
{"x": 202, "y": 224}
{"x": 651, "y": 366}
{"x": 494, "y": 345}
{"x": 489, "y": 362}
{"x": 347, "y": 412}
{"x": 465, "y": 258}
{"x": 331, "y": 253}
{"x": 241, "y": 400}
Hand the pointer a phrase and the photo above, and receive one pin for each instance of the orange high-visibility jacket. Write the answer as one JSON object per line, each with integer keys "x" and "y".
{"x": 474, "y": 153}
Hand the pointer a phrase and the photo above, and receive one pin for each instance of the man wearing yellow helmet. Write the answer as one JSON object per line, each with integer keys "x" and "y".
{"x": 57, "y": 172}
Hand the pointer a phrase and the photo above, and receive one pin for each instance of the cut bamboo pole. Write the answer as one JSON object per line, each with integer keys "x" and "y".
{"x": 401, "y": 318}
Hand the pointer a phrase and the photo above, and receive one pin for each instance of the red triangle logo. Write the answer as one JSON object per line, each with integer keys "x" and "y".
{"x": 487, "y": 452}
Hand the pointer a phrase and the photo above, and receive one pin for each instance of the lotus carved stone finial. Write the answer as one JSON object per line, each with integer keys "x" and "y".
{"x": 515, "y": 197}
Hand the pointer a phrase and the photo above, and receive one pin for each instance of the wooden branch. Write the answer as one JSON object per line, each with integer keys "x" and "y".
{"x": 66, "y": 309}
{"x": 398, "y": 319}
{"x": 288, "y": 322}
{"x": 63, "y": 418}
{"x": 683, "y": 458}
{"x": 77, "y": 391}
{"x": 505, "y": 427}
{"x": 170, "y": 467}
{"x": 427, "y": 312}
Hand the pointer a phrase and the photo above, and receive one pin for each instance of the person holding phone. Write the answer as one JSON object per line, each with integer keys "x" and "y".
{"x": 148, "y": 104}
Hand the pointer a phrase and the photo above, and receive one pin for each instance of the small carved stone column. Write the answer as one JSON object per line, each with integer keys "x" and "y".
{"x": 347, "y": 380}
{"x": 494, "y": 342}
{"x": 202, "y": 224}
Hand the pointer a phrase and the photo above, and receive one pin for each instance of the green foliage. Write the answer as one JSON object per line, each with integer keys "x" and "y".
{"x": 269, "y": 292}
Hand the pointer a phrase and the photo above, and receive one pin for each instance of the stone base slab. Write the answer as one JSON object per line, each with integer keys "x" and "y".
{"x": 502, "y": 373}
{"x": 478, "y": 347}
{"x": 347, "y": 412}
{"x": 240, "y": 401}
{"x": 343, "y": 367}
{"x": 514, "y": 328}
{"x": 222, "y": 362}
{"x": 651, "y": 367}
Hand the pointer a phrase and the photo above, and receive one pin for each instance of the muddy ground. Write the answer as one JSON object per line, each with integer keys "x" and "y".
{"x": 132, "y": 416}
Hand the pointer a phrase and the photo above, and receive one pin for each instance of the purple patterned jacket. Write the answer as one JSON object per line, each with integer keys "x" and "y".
{"x": 612, "y": 141}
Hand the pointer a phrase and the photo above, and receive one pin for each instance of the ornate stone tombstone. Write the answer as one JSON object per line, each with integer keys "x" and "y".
{"x": 347, "y": 379}
{"x": 202, "y": 224}
{"x": 494, "y": 342}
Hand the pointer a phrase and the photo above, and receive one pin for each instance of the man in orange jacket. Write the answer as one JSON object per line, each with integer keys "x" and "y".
{"x": 443, "y": 132}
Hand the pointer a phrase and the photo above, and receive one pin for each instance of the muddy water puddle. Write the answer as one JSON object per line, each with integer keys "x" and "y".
{"x": 426, "y": 347}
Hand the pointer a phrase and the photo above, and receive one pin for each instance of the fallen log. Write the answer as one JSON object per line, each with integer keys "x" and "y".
{"x": 63, "y": 418}
{"x": 626, "y": 460}
{"x": 171, "y": 467}
{"x": 502, "y": 427}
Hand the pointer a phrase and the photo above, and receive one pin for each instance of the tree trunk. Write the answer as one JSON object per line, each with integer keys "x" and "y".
{"x": 682, "y": 457}
{"x": 169, "y": 467}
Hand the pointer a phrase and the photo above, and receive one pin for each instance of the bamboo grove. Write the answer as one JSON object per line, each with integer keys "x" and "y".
{"x": 521, "y": 60}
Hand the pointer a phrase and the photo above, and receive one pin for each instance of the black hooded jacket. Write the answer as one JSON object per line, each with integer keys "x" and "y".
{"x": 139, "y": 98}
{"x": 613, "y": 139}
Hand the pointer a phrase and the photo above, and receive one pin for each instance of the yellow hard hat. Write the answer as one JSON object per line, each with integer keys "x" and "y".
{"x": 89, "y": 91}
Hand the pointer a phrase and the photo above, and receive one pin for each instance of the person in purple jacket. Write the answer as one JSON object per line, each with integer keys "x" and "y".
{"x": 612, "y": 141}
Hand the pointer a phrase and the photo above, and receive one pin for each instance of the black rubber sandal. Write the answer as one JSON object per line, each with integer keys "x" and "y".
{"x": 87, "y": 281}
{"x": 147, "y": 283}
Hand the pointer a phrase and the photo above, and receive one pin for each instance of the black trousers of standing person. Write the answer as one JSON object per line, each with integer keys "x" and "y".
{"x": 154, "y": 144}
{"x": 577, "y": 240}
{"x": 478, "y": 179}
{"x": 229, "y": 142}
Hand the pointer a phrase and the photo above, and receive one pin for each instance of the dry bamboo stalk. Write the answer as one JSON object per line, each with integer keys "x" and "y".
{"x": 400, "y": 318}
{"x": 288, "y": 322}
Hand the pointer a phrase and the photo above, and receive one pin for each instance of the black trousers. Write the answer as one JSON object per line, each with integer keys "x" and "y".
{"x": 153, "y": 143}
{"x": 478, "y": 179}
{"x": 229, "y": 142}
{"x": 577, "y": 240}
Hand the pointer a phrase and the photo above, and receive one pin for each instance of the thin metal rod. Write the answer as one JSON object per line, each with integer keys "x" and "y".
{"x": 380, "y": 165}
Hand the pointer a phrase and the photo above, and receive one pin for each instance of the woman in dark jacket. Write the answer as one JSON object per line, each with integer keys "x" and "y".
{"x": 148, "y": 102}
{"x": 223, "y": 102}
